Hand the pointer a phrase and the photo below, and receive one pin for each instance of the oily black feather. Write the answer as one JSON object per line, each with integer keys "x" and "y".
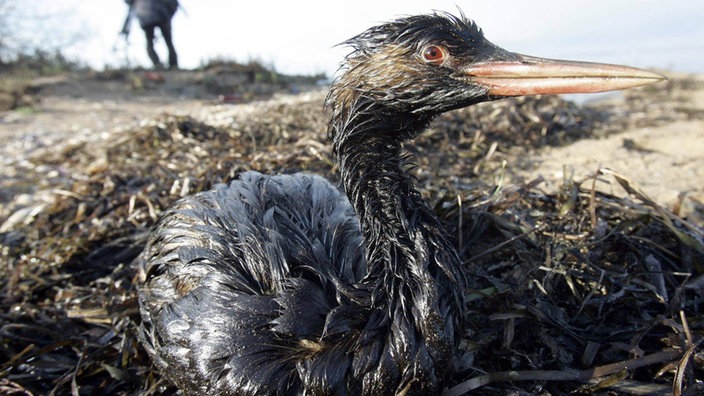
{"x": 381, "y": 77}
{"x": 240, "y": 281}
{"x": 282, "y": 285}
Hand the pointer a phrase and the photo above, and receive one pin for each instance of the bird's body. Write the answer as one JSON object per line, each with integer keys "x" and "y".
{"x": 270, "y": 298}
{"x": 262, "y": 272}
{"x": 283, "y": 285}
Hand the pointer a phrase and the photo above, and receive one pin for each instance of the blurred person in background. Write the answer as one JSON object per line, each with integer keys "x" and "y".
{"x": 152, "y": 14}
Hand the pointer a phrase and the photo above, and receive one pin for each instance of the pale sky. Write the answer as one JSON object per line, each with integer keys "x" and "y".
{"x": 300, "y": 36}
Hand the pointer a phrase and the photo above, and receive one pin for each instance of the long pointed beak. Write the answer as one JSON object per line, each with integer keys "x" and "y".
{"x": 529, "y": 75}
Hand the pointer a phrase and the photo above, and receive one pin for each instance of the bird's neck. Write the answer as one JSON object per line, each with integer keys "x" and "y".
{"x": 413, "y": 270}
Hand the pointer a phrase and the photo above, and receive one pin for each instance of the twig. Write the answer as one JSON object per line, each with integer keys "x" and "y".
{"x": 684, "y": 361}
{"x": 506, "y": 242}
{"x": 565, "y": 375}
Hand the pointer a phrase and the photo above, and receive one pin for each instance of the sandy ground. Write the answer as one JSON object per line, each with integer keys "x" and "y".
{"x": 665, "y": 161}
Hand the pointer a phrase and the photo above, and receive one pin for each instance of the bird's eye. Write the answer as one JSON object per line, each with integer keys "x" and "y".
{"x": 434, "y": 54}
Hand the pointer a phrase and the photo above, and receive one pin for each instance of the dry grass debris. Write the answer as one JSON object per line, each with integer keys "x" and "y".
{"x": 579, "y": 291}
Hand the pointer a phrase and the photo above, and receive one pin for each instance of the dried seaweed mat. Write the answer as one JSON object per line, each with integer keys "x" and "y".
{"x": 574, "y": 292}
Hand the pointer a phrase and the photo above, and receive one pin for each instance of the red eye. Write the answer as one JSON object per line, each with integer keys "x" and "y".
{"x": 434, "y": 54}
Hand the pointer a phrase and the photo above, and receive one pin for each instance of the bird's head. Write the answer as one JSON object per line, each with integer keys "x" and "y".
{"x": 421, "y": 66}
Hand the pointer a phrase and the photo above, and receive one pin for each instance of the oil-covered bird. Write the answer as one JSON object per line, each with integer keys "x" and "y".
{"x": 282, "y": 284}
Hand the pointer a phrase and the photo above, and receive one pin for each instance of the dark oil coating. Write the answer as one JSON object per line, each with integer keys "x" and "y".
{"x": 283, "y": 285}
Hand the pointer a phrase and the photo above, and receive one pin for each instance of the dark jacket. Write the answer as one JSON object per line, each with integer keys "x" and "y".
{"x": 153, "y": 12}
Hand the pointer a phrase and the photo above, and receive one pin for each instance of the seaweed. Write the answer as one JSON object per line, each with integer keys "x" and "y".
{"x": 575, "y": 291}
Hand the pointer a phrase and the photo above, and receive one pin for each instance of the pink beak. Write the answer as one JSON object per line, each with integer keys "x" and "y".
{"x": 529, "y": 75}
